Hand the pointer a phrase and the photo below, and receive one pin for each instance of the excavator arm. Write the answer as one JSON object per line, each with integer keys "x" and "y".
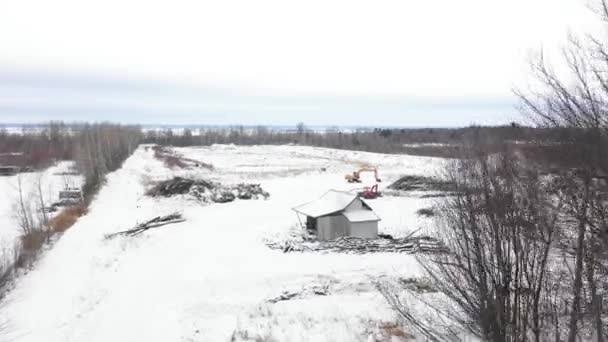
{"x": 356, "y": 176}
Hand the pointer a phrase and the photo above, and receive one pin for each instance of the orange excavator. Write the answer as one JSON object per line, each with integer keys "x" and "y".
{"x": 368, "y": 192}
{"x": 355, "y": 177}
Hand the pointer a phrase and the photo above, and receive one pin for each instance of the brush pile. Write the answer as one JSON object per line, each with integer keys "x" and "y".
{"x": 421, "y": 183}
{"x": 207, "y": 192}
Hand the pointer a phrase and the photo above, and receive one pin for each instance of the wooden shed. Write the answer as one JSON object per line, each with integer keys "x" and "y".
{"x": 339, "y": 213}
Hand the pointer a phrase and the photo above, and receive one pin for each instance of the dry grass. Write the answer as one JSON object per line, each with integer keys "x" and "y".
{"x": 31, "y": 244}
{"x": 34, "y": 240}
{"x": 66, "y": 218}
{"x": 390, "y": 330}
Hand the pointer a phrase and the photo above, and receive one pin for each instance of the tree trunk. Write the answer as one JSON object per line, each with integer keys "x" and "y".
{"x": 578, "y": 282}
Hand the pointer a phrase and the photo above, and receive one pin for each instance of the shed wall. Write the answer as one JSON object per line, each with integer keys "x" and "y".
{"x": 332, "y": 227}
{"x": 364, "y": 230}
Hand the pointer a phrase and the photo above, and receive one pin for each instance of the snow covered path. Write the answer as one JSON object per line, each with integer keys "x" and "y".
{"x": 205, "y": 278}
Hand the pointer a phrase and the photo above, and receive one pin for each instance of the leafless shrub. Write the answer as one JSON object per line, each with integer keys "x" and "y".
{"x": 22, "y": 208}
{"x": 499, "y": 229}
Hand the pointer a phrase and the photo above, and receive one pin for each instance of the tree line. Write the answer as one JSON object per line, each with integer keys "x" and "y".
{"x": 440, "y": 142}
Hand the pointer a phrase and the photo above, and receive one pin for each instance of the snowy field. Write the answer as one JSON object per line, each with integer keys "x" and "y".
{"x": 209, "y": 278}
{"x": 51, "y": 181}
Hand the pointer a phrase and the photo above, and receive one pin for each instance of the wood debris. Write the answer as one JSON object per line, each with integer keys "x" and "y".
{"x": 206, "y": 191}
{"x": 410, "y": 244}
{"x": 156, "y": 222}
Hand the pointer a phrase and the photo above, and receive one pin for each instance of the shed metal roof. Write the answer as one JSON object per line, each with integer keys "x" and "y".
{"x": 360, "y": 216}
{"x": 331, "y": 202}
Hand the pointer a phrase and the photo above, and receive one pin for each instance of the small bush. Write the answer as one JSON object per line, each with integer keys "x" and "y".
{"x": 66, "y": 218}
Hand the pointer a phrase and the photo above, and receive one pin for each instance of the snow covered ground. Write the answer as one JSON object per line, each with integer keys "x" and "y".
{"x": 209, "y": 278}
{"x": 51, "y": 181}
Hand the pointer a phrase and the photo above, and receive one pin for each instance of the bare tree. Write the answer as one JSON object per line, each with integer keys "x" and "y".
{"x": 22, "y": 208}
{"x": 578, "y": 101}
{"x": 41, "y": 207}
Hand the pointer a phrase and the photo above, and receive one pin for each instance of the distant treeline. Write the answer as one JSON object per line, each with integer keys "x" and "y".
{"x": 441, "y": 142}
{"x": 59, "y": 140}
{"x": 97, "y": 148}
{"x": 37, "y": 149}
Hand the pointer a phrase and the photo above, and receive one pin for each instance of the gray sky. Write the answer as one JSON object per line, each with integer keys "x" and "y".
{"x": 380, "y": 62}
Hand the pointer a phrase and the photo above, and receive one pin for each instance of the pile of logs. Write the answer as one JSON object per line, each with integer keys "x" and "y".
{"x": 153, "y": 223}
{"x": 412, "y": 244}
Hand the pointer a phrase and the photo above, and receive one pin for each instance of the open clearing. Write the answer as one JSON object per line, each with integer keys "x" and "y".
{"x": 211, "y": 278}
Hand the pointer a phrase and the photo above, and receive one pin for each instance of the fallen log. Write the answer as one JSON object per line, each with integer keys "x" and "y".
{"x": 156, "y": 222}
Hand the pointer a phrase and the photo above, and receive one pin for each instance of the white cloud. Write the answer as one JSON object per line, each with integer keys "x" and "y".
{"x": 428, "y": 48}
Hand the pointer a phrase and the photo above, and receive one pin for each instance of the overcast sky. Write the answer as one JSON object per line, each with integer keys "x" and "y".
{"x": 326, "y": 62}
